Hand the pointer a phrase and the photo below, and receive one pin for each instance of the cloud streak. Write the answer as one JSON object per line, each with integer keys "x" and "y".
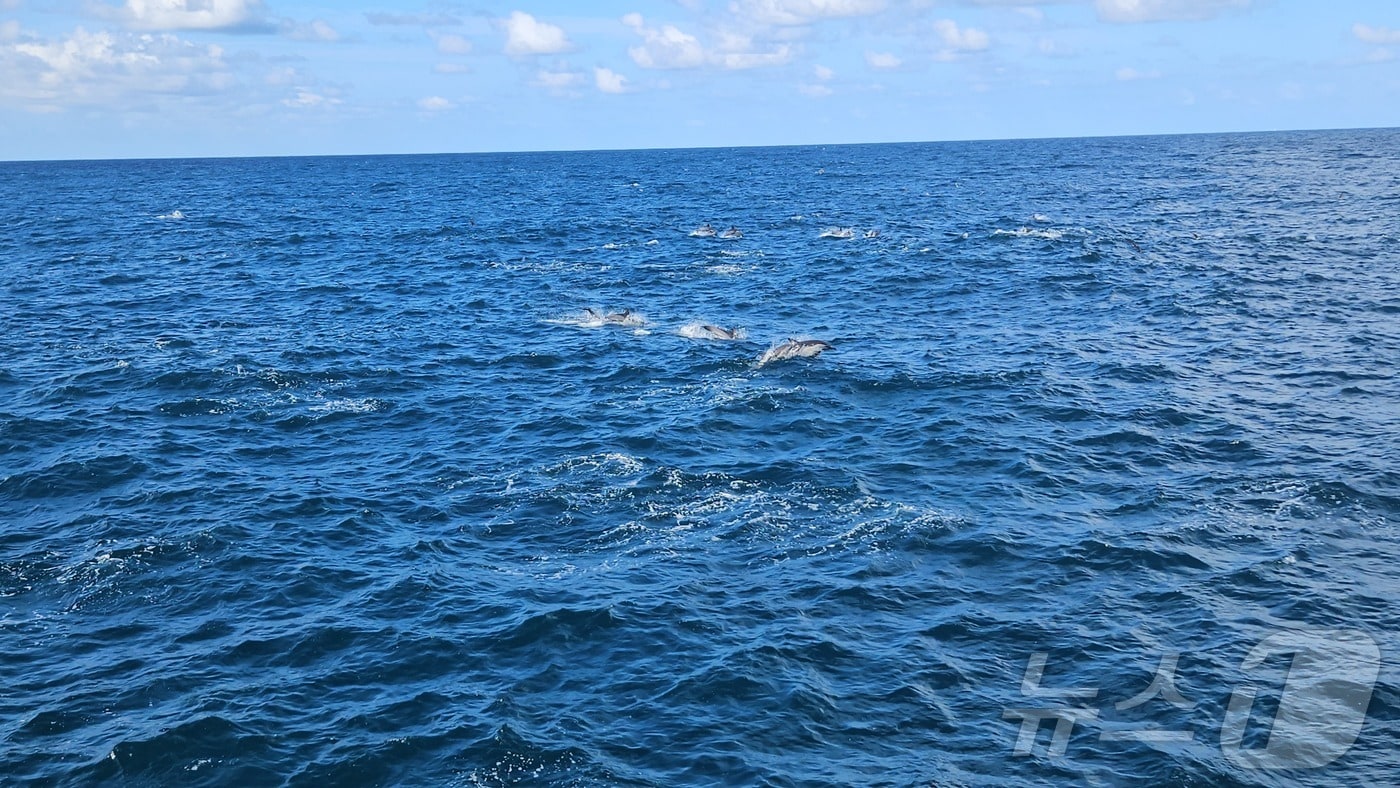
{"x": 1133, "y": 11}
{"x": 1375, "y": 35}
{"x": 801, "y": 12}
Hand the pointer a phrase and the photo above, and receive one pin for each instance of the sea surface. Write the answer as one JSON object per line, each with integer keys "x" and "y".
{"x": 317, "y": 471}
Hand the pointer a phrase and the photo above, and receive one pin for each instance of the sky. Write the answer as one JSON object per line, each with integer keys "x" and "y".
{"x": 96, "y": 79}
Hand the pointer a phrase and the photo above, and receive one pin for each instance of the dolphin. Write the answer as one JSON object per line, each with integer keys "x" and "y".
{"x": 720, "y": 332}
{"x": 794, "y": 348}
{"x": 711, "y": 331}
{"x": 623, "y": 318}
{"x": 732, "y": 232}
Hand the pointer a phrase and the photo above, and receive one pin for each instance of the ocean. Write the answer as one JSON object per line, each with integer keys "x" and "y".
{"x": 322, "y": 471}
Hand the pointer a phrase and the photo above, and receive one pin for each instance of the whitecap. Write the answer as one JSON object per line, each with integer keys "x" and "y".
{"x": 585, "y": 319}
{"x": 1029, "y": 232}
{"x": 365, "y": 405}
{"x": 173, "y": 215}
{"x": 727, "y": 269}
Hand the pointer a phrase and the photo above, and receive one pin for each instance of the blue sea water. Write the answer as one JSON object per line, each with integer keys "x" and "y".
{"x": 316, "y": 471}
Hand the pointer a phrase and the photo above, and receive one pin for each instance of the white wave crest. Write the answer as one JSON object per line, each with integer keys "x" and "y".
{"x": 1029, "y": 232}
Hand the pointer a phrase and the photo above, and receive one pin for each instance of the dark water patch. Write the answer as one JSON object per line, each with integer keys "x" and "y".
{"x": 74, "y": 477}
{"x": 220, "y": 747}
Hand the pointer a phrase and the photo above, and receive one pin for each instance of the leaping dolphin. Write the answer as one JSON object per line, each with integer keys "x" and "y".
{"x": 711, "y": 331}
{"x": 720, "y": 332}
{"x": 794, "y": 348}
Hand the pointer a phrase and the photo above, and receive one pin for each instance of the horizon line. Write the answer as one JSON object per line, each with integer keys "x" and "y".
{"x": 76, "y": 160}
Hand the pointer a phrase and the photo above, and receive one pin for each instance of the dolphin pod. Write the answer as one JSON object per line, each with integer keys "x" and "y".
{"x": 789, "y": 349}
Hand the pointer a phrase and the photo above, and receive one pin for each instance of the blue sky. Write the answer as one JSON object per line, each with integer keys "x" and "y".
{"x": 136, "y": 78}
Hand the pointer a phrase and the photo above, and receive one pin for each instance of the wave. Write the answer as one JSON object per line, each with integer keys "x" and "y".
{"x": 727, "y": 269}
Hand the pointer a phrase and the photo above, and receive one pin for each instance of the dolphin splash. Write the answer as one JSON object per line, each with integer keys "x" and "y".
{"x": 711, "y": 331}
{"x": 624, "y": 318}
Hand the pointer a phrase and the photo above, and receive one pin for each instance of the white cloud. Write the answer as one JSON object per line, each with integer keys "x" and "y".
{"x": 1164, "y": 10}
{"x": 664, "y": 47}
{"x": 526, "y": 35}
{"x": 451, "y": 68}
{"x": 668, "y": 47}
{"x": 557, "y": 81}
{"x": 449, "y": 44}
{"x": 743, "y": 60}
{"x": 882, "y": 60}
{"x": 315, "y": 30}
{"x": 195, "y": 15}
{"x": 1049, "y": 47}
{"x": 435, "y": 104}
{"x": 814, "y": 91}
{"x": 957, "y": 39}
{"x": 1375, "y": 35}
{"x": 1129, "y": 74}
{"x": 91, "y": 69}
{"x": 801, "y": 12}
{"x": 283, "y": 76}
{"x": 411, "y": 20}
{"x": 609, "y": 81}
{"x": 822, "y": 72}
{"x": 309, "y": 99}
